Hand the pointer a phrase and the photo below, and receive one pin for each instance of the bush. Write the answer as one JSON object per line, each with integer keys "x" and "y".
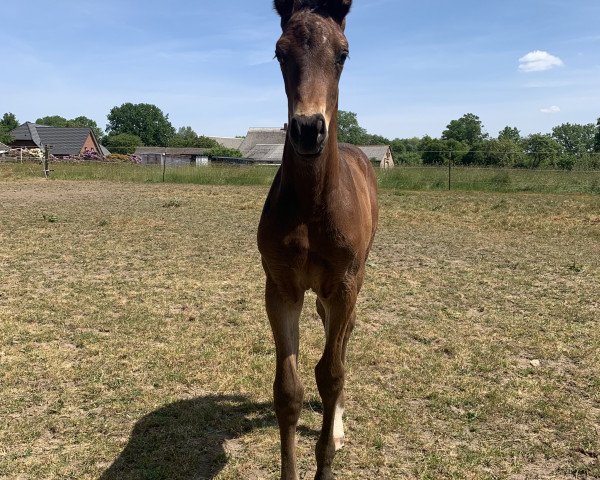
{"x": 566, "y": 162}
{"x": 587, "y": 161}
{"x": 122, "y": 143}
{"x": 224, "y": 152}
{"x": 408, "y": 158}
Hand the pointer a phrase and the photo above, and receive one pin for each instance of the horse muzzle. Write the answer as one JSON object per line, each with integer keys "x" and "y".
{"x": 308, "y": 134}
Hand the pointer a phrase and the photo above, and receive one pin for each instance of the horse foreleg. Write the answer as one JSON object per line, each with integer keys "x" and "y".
{"x": 284, "y": 314}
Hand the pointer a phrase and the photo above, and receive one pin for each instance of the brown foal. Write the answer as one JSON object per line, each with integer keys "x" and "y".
{"x": 318, "y": 222}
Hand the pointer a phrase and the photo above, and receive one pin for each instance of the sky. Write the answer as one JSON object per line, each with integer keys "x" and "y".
{"x": 414, "y": 65}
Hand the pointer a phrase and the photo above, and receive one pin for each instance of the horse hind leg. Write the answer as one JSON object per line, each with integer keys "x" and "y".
{"x": 338, "y": 422}
{"x": 323, "y": 314}
{"x": 330, "y": 378}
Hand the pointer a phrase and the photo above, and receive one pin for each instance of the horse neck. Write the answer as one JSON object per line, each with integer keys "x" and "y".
{"x": 311, "y": 180}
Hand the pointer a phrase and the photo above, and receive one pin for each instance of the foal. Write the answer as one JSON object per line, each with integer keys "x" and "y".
{"x": 317, "y": 224}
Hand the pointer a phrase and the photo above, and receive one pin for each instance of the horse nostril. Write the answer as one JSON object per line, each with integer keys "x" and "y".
{"x": 308, "y": 133}
{"x": 321, "y": 126}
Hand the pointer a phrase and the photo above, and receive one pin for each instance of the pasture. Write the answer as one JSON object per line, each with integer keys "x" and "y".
{"x": 134, "y": 342}
{"x": 401, "y": 178}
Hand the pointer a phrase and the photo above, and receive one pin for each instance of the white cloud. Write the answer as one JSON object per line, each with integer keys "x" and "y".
{"x": 552, "y": 109}
{"x": 538, "y": 61}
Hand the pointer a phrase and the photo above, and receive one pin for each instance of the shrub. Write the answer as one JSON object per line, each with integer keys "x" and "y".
{"x": 123, "y": 143}
{"x": 224, "y": 152}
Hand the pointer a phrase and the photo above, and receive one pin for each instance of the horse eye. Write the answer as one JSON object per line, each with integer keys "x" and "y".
{"x": 280, "y": 58}
{"x": 341, "y": 59}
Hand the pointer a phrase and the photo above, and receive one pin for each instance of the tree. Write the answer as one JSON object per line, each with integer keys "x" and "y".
{"x": 499, "y": 153}
{"x": 542, "y": 151}
{"x": 510, "y": 133}
{"x": 467, "y": 129}
{"x": 146, "y": 121}
{"x": 398, "y": 150}
{"x": 53, "y": 121}
{"x": 575, "y": 139}
{"x": 374, "y": 139}
{"x": 8, "y": 123}
{"x": 81, "y": 121}
{"x": 597, "y": 138}
{"x": 187, "y": 137}
{"x": 439, "y": 152}
{"x": 123, "y": 143}
{"x": 406, "y": 150}
{"x": 348, "y": 129}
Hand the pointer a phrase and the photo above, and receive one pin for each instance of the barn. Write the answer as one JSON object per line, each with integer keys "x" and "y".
{"x": 172, "y": 156}
{"x": 380, "y": 155}
{"x": 266, "y": 154}
{"x": 233, "y": 143}
{"x": 265, "y": 146}
{"x": 61, "y": 141}
{"x": 263, "y": 136}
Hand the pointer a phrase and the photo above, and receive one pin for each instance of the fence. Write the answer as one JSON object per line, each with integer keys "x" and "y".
{"x": 441, "y": 178}
{"x": 450, "y": 177}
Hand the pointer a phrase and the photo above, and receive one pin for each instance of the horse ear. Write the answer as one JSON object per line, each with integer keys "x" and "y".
{"x": 284, "y": 8}
{"x": 338, "y": 9}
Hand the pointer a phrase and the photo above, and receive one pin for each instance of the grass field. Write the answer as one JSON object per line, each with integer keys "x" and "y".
{"x": 401, "y": 178}
{"x": 134, "y": 343}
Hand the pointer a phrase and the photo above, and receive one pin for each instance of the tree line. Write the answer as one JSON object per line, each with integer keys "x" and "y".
{"x": 129, "y": 126}
{"x": 463, "y": 142}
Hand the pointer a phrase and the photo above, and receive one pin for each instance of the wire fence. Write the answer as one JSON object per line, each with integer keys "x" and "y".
{"x": 403, "y": 177}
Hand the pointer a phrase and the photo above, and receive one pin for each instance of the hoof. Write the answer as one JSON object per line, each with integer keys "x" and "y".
{"x": 324, "y": 475}
{"x": 339, "y": 443}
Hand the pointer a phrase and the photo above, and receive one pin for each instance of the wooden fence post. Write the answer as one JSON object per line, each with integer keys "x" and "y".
{"x": 46, "y": 158}
{"x": 450, "y": 171}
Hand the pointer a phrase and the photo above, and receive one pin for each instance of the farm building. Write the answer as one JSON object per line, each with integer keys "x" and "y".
{"x": 262, "y": 136}
{"x": 266, "y": 154}
{"x": 265, "y": 146}
{"x": 228, "y": 142}
{"x": 380, "y": 155}
{"x": 61, "y": 141}
{"x": 4, "y": 149}
{"x": 173, "y": 156}
{"x": 105, "y": 151}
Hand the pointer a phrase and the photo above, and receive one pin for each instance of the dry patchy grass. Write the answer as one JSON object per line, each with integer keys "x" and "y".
{"x": 134, "y": 344}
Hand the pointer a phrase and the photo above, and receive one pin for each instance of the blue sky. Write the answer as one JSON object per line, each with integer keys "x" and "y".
{"x": 414, "y": 65}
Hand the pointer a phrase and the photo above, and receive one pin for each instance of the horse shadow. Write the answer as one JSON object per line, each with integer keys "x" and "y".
{"x": 186, "y": 440}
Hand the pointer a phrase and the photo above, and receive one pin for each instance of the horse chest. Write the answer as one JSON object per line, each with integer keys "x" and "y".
{"x": 310, "y": 256}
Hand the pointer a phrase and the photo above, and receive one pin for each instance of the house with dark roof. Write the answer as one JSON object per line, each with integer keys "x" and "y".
{"x": 61, "y": 141}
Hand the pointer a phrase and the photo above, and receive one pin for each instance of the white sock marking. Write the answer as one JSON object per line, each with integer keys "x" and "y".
{"x": 338, "y": 428}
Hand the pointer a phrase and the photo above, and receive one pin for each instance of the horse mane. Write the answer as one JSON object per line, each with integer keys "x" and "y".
{"x": 336, "y": 9}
